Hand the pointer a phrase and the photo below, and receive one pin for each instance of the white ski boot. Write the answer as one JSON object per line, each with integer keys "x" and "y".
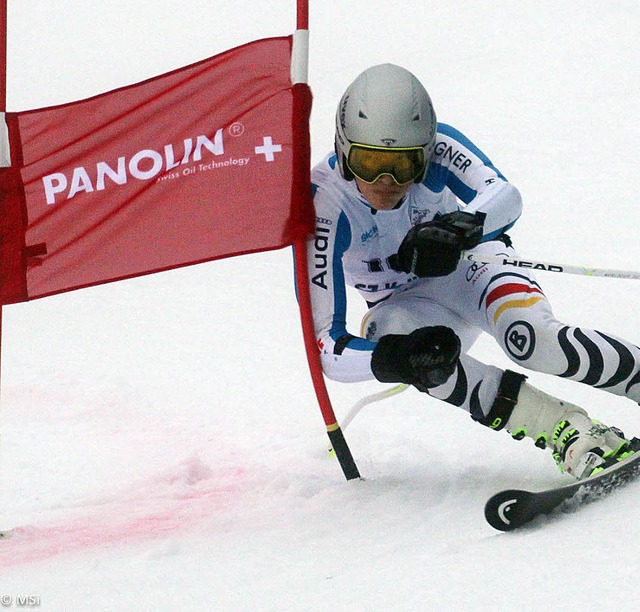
{"x": 580, "y": 445}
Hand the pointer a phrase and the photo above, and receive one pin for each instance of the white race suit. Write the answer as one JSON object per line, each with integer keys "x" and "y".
{"x": 357, "y": 245}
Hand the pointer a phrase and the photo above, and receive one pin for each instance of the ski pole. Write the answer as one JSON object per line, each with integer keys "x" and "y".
{"x": 532, "y": 264}
{"x": 369, "y": 399}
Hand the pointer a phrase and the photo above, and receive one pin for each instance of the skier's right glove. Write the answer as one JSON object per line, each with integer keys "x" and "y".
{"x": 434, "y": 248}
{"x": 425, "y": 358}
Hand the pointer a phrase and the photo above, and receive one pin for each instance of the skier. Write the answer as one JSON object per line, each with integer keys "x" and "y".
{"x": 397, "y": 203}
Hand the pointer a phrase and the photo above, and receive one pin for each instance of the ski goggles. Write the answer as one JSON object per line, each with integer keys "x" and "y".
{"x": 402, "y": 164}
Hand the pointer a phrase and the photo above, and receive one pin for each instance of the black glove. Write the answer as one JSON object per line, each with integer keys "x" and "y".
{"x": 424, "y": 358}
{"x": 434, "y": 248}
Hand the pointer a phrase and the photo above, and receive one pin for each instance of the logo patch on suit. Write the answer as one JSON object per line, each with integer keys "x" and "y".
{"x": 419, "y": 215}
{"x": 520, "y": 340}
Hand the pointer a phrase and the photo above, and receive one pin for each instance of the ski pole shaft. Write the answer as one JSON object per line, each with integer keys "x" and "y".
{"x": 370, "y": 399}
{"x": 365, "y": 401}
{"x": 547, "y": 266}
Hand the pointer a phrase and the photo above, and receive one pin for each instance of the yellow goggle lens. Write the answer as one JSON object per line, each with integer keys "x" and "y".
{"x": 368, "y": 163}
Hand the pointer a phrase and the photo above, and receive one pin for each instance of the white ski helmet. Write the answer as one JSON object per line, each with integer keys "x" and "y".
{"x": 385, "y": 107}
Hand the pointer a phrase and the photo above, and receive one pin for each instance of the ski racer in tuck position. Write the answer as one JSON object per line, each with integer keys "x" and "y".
{"x": 397, "y": 203}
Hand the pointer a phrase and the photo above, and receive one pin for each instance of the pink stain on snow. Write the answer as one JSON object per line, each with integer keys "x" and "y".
{"x": 192, "y": 498}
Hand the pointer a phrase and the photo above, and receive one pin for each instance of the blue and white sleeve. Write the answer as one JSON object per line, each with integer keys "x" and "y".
{"x": 344, "y": 357}
{"x": 459, "y": 165}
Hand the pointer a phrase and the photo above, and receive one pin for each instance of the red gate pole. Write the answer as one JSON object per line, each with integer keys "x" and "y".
{"x": 302, "y": 195}
{"x": 3, "y": 94}
{"x": 3, "y": 55}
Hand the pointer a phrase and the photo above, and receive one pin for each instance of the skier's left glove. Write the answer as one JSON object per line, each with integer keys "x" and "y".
{"x": 425, "y": 358}
{"x": 434, "y": 248}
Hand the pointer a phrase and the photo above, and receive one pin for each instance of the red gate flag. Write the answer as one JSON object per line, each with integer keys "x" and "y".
{"x": 187, "y": 167}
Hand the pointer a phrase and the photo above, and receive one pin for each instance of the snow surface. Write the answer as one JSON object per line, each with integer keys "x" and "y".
{"x": 161, "y": 444}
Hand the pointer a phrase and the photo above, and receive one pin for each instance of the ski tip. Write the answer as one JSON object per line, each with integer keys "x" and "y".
{"x": 507, "y": 510}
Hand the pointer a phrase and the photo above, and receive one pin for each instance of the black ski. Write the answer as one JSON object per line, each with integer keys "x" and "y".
{"x": 513, "y": 508}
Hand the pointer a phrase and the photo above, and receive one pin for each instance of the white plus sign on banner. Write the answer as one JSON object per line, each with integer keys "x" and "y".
{"x": 268, "y": 148}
